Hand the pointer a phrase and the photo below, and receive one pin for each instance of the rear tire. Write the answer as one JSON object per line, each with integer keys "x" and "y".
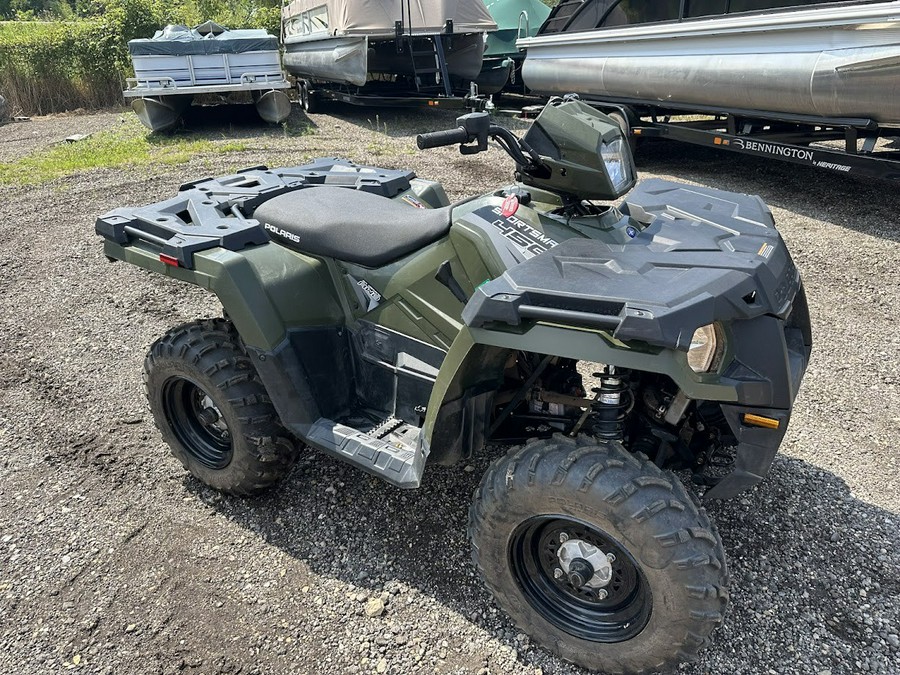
{"x": 667, "y": 579}
{"x": 213, "y": 411}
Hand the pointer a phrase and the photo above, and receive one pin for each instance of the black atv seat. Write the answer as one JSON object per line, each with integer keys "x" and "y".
{"x": 358, "y": 227}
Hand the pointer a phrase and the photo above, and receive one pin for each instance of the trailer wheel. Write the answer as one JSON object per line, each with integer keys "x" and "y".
{"x": 622, "y": 120}
{"x": 308, "y": 99}
{"x": 213, "y": 411}
{"x": 598, "y": 555}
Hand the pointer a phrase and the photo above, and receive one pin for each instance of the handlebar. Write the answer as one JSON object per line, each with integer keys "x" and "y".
{"x": 436, "y": 139}
{"x": 472, "y": 135}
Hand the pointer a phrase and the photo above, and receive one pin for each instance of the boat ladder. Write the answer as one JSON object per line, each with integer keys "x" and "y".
{"x": 429, "y": 66}
{"x": 428, "y": 59}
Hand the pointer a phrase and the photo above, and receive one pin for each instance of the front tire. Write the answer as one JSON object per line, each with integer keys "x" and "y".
{"x": 598, "y": 555}
{"x": 213, "y": 411}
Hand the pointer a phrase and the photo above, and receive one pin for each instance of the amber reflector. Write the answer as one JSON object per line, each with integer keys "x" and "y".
{"x": 760, "y": 421}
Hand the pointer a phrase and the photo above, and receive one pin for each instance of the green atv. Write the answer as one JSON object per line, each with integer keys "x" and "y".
{"x": 368, "y": 318}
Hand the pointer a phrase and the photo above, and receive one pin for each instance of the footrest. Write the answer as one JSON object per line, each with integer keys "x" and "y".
{"x": 398, "y": 463}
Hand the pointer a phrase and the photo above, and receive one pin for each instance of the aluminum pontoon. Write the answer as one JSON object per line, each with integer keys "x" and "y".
{"x": 384, "y": 51}
{"x": 178, "y": 63}
{"x": 771, "y": 75}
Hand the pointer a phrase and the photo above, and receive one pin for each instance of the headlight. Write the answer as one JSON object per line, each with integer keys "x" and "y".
{"x": 706, "y": 348}
{"x": 615, "y": 158}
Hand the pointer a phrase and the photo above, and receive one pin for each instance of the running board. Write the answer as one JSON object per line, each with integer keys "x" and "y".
{"x": 398, "y": 458}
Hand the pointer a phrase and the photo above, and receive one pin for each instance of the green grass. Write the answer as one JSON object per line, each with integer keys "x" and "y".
{"x": 293, "y": 129}
{"x": 127, "y": 146}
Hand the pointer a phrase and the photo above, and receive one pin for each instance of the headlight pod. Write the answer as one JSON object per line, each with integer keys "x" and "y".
{"x": 615, "y": 158}
{"x": 707, "y": 345}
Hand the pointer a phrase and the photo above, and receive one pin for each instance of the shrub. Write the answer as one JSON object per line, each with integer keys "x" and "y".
{"x": 52, "y": 66}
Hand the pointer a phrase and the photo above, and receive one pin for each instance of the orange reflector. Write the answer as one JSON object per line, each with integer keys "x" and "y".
{"x": 760, "y": 421}
{"x": 169, "y": 260}
{"x": 636, "y": 132}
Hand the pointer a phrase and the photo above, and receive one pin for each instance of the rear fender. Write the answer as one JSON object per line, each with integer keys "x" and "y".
{"x": 265, "y": 290}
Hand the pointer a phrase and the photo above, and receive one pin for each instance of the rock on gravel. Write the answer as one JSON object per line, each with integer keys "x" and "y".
{"x": 112, "y": 560}
{"x": 374, "y": 607}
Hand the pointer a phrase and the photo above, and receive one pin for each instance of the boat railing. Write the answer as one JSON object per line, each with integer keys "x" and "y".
{"x": 252, "y": 78}
{"x": 519, "y": 34}
{"x": 148, "y": 82}
{"x": 169, "y": 83}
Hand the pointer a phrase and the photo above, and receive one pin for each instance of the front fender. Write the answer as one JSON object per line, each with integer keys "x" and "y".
{"x": 473, "y": 369}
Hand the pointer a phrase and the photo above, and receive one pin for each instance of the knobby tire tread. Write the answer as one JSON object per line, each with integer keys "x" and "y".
{"x": 264, "y": 450}
{"x": 605, "y": 476}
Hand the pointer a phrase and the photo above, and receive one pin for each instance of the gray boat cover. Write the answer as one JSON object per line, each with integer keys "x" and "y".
{"x": 207, "y": 38}
{"x": 377, "y": 17}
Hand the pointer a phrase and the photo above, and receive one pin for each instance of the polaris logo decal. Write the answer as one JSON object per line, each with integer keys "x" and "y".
{"x": 412, "y": 201}
{"x": 366, "y": 294}
{"x": 369, "y": 290}
{"x": 283, "y": 233}
{"x": 527, "y": 239}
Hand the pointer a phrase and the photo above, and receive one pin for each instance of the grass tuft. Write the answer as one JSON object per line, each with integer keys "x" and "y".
{"x": 127, "y": 146}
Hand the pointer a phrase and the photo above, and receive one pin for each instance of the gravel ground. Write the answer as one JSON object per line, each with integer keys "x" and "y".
{"x": 112, "y": 560}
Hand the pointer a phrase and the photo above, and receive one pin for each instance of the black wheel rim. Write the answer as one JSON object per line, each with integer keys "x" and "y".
{"x": 581, "y": 612}
{"x": 197, "y": 423}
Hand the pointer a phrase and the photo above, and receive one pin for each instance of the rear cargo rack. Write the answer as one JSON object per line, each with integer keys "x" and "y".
{"x": 218, "y": 212}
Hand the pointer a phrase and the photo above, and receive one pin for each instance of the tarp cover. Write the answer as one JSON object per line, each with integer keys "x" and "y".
{"x": 377, "y": 17}
{"x": 180, "y": 41}
{"x": 508, "y": 14}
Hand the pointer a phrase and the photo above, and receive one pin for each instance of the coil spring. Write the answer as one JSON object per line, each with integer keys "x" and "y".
{"x": 611, "y": 406}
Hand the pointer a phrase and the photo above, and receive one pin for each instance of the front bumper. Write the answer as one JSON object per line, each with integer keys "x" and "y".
{"x": 777, "y": 374}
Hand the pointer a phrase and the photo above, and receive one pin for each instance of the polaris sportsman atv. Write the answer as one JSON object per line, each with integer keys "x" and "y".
{"x": 368, "y": 318}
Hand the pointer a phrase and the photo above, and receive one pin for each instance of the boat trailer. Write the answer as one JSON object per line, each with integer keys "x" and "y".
{"x": 852, "y": 146}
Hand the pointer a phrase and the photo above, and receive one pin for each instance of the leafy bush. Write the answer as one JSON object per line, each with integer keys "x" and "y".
{"x": 52, "y": 66}
{"x": 48, "y": 67}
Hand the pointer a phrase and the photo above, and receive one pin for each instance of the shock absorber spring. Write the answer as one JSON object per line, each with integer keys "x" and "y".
{"x": 611, "y": 405}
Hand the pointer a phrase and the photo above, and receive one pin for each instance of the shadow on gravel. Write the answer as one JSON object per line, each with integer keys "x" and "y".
{"x": 868, "y": 206}
{"x": 806, "y": 557}
{"x": 405, "y": 122}
{"x": 395, "y": 122}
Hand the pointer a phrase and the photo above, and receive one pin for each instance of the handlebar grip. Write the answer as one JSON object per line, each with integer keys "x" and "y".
{"x": 435, "y": 139}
